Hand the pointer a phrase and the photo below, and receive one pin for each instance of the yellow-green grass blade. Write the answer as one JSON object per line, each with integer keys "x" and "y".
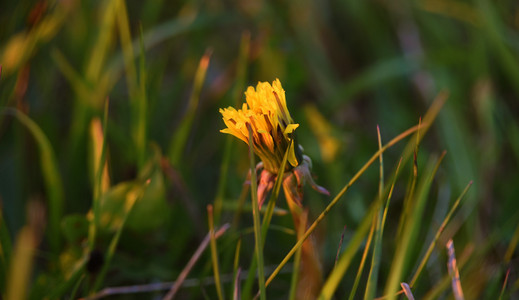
{"x": 214, "y": 254}
{"x": 338, "y": 272}
{"x": 297, "y": 257}
{"x": 20, "y": 269}
{"x": 179, "y": 140}
{"x": 371, "y": 285}
{"x": 437, "y": 235}
{"x": 51, "y": 176}
{"x": 344, "y": 262}
{"x": 332, "y": 204}
{"x": 362, "y": 261}
{"x": 410, "y": 230}
{"x": 256, "y": 218}
{"x": 100, "y": 181}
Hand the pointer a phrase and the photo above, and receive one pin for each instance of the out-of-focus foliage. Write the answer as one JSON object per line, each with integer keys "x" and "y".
{"x": 109, "y": 128}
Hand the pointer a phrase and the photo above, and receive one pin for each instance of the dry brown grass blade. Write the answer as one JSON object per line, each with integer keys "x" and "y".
{"x": 407, "y": 290}
{"x": 454, "y": 272}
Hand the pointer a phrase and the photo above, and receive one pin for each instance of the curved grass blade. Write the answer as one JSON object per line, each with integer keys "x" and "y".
{"x": 51, "y": 175}
{"x": 332, "y": 204}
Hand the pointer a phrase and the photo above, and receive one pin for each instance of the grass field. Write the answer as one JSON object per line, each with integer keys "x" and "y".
{"x": 115, "y": 180}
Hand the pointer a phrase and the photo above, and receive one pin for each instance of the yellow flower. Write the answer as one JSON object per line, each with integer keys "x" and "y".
{"x": 272, "y": 126}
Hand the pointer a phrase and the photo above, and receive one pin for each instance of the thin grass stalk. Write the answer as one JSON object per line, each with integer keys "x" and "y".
{"x": 237, "y": 291}
{"x": 437, "y": 235}
{"x": 384, "y": 217}
{"x": 410, "y": 194}
{"x": 346, "y": 257}
{"x": 335, "y": 200}
{"x": 371, "y": 285}
{"x": 512, "y": 246}
{"x": 411, "y": 228}
{"x": 194, "y": 258}
{"x": 256, "y": 218}
{"x": 338, "y": 272}
{"x": 236, "y": 263}
{"x": 340, "y": 246}
{"x": 297, "y": 259}
{"x": 407, "y": 291}
{"x": 182, "y": 133}
{"x": 457, "y": 291}
{"x": 503, "y": 288}
{"x": 236, "y": 268}
{"x": 362, "y": 261}
{"x": 214, "y": 253}
{"x": 98, "y": 183}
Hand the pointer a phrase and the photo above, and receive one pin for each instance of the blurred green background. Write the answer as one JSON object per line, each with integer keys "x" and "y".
{"x": 160, "y": 70}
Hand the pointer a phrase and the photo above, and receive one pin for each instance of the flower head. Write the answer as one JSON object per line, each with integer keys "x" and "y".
{"x": 272, "y": 126}
{"x": 273, "y": 134}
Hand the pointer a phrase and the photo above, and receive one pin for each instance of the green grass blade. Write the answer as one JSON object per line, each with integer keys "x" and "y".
{"x": 334, "y": 202}
{"x": 437, "y": 235}
{"x": 256, "y": 218}
{"x": 214, "y": 254}
{"x": 179, "y": 140}
{"x": 297, "y": 258}
{"x": 344, "y": 262}
{"x": 99, "y": 182}
{"x": 410, "y": 230}
{"x": 51, "y": 175}
{"x": 362, "y": 261}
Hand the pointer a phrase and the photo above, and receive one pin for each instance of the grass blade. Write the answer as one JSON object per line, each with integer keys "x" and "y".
{"x": 256, "y": 218}
{"x": 371, "y": 285}
{"x": 214, "y": 253}
{"x": 334, "y": 202}
{"x": 504, "y": 285}
{"x": 438, "y": 233}
{"x": 22, "y": 264}
{"x": 407, "y": 291}
{"x": 179, "y": 140}
{"x": 410, "y": 230}
{"x": 362, "y": 261}
{"x": 183, "y": 275}
{"x": 51, "y": 175}
{"x": 297, "y": 258}
{"x": 454, "y": 273}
